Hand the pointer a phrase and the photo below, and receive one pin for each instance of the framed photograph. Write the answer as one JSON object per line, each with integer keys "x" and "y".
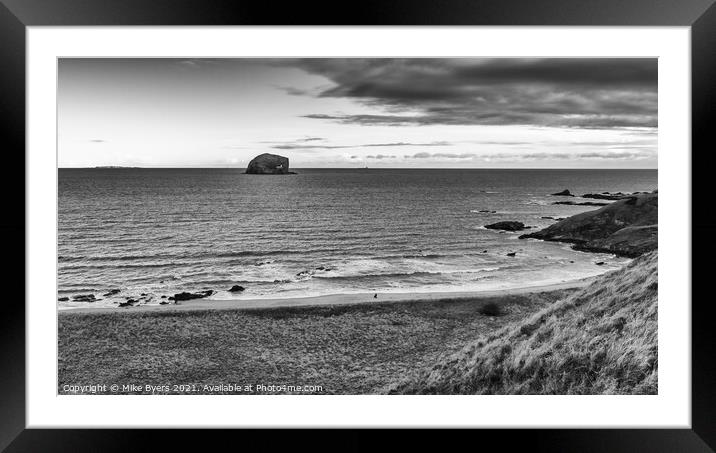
{"x": 407, "y": 218}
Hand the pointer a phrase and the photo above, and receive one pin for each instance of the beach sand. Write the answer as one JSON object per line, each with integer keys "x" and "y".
{"x": 334, "y": 299}
{"x": 337, "y": 344}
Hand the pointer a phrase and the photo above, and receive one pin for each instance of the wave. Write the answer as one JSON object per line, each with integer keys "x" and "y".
{"x": 126, "y": 266}
{"x": 405, "y": 274}
{"x": 204, "y": 255}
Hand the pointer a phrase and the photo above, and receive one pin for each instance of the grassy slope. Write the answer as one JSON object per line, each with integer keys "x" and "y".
{"x": 600, "y": 340}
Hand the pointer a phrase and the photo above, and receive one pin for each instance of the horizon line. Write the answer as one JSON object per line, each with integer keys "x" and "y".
{"x": 131, "y": 167}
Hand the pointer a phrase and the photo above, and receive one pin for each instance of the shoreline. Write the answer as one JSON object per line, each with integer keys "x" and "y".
{"x": 333, "y": 299}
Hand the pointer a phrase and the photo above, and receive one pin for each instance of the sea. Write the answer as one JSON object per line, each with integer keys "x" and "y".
{"x": 156, "y": 232}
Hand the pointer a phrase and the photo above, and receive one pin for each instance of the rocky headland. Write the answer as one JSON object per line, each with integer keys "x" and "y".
{"x": 627, "y": 227}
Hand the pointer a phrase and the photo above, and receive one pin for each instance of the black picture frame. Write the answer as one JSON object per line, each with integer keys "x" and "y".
{"x": 16, "y": 15}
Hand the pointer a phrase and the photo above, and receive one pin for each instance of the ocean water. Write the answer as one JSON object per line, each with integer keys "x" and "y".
{"x": 163, "y": 231}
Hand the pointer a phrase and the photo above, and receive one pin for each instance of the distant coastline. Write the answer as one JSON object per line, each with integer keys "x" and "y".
{"x": 113, "y": 166}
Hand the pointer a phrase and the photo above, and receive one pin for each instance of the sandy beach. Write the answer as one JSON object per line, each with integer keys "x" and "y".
{"x": 335, "y": 299}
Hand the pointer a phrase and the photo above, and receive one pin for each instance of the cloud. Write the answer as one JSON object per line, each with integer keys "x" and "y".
{"x": 612, "y": 155}
{"x": 367, "y": 145}
{"x": 569, "y": 156}
{"x": 424, "y": 155}
{"x": 553, "y": 92}
{"x": 621, "y": 155}
{"x": 97, "y": 140}
{"x": 294, "y": 91}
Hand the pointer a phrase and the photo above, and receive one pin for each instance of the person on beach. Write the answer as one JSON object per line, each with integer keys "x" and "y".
{"x": 375, "y": 296}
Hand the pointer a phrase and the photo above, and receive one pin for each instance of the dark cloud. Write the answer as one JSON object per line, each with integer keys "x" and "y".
{"x": 554, "y": 92}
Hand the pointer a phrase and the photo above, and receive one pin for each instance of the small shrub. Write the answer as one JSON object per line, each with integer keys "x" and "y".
{"x": 491, "y": 309}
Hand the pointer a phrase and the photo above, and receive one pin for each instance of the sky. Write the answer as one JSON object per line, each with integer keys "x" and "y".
{"x": 358, "y": 112}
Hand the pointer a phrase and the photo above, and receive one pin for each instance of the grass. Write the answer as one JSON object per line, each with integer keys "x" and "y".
{"x": 345, "y": 349}
{"x": 602, "y": 339}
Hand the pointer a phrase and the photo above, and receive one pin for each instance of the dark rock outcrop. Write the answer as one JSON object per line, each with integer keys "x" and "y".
{"x": 189, "y": 296}
{"x": 268, "y": 164}
{"x": 63, "y": 299}
{"x": 111, "y": 292}
{"x": 626, "y": 227}
{"x": 507, "y": 226}
{"x": 564, "y": 193}
{"x": 129, "y": 303}
{"x": 581, "y": 203}
{"x": 512, "y": 254}
{"x": 84, "y": 298}
{"x": 236, "y": 289}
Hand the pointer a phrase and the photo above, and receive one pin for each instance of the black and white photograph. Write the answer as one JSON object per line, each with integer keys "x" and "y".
{"x": 357, "y": 226}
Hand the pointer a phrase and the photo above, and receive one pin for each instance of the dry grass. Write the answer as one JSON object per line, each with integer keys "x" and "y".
{"x": 600, "y": 340}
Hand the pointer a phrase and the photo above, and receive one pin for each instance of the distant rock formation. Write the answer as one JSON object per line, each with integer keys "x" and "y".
{"x": 581, "y": 203}
{"x": 507, "y": 226}
{"x": 612, "y": 196}
{"x": 268, "y": 164}
{"x": 627, "y": 227}
{"x": 564, "y": 193}
{"x": 606, "y": 196}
